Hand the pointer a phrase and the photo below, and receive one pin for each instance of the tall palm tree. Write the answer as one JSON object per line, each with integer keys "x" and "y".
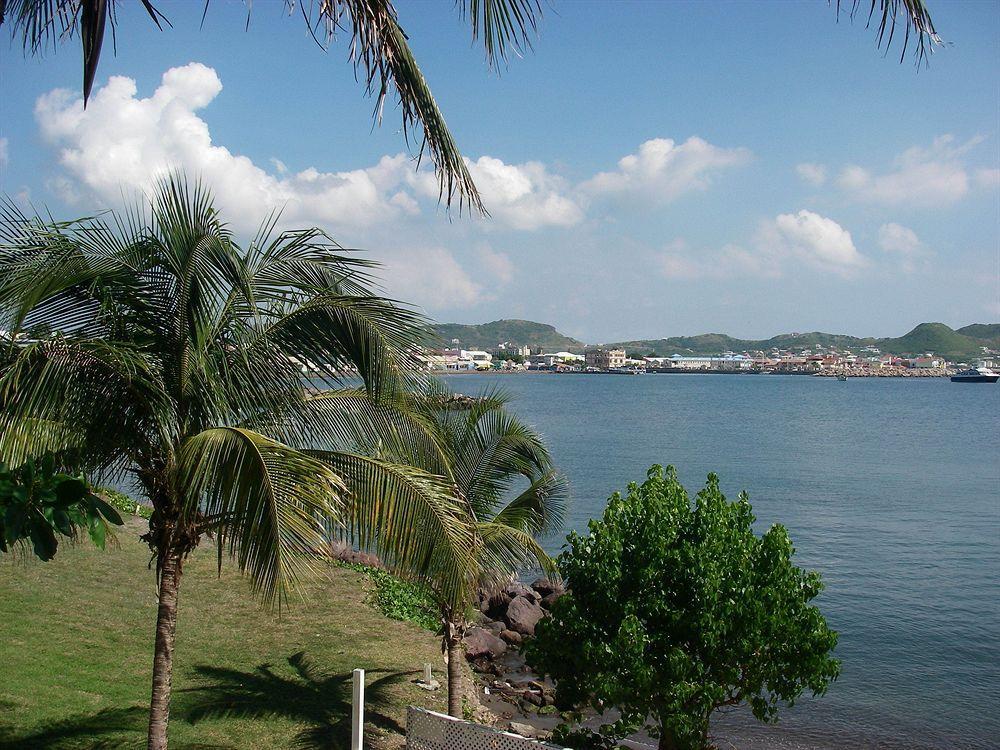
{"x": 380, "y": 52}
{"x": 149, "y": 344}
{"x": 505, "y": 474}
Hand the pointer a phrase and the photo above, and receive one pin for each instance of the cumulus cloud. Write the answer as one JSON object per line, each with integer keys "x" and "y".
{"x": 662, "y": 170}
{"x": 903, "y": 243}
{"x": 920, "y": 177}
{"x": 4, "y": 152}
{"x": 496, "y": 264}
{"x": 803, "y": 239}
{"x": 431, "y": 278}
{"x": 124, "y": 140}
{"x": 813, "y": 239}
{"x": 523, "y": 196}
{"x": 814, "y": 174}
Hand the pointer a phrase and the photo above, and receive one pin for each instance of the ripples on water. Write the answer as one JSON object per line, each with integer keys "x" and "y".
{"x": 889, "y": 487}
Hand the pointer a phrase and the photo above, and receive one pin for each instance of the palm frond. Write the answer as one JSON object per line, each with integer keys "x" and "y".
{"x": 273, "y": 505}
{"x": 914, "y": 17}
{"x": 381, "y": 54}
{"x": 503, "y": 25}
{"x": 412, "y": 519}
{"x": 538, "y": 509}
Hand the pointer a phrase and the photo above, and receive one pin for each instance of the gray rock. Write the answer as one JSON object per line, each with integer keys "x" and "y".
{"x": 512, "y": 637}
{"x": 550, "y": 599}
{"x": 494, "y": 626}
{"x": 525, "y": 730}
{"x": 481, "y": 643}
{"x": 546, "y": 586}
{"x": 523, "y": 615}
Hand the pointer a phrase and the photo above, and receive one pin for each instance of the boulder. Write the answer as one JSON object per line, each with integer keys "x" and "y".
{"x": 481, "y": 643}
{"x": 512, "y": 637}
{"x": 525, "y": 730}
{"x": 546, "y": 586}
{"x": 494, "y": 626}
{"x": 495, "y": 607}
{"x": 523, "y": 615}
{"x": 550, "y": 599}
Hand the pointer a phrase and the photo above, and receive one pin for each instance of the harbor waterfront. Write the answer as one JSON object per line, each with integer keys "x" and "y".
{"x": 889, "y": 487}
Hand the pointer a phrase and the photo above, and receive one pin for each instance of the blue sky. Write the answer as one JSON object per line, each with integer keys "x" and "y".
{"x": 652, "y": 169}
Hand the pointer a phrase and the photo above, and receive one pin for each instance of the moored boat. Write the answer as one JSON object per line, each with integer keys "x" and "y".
{"x": 976, "y": 375}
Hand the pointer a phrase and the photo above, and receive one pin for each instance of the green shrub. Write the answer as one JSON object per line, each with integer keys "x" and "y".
{"x": 402, "y": 600}
{"x": 123, "y": 503}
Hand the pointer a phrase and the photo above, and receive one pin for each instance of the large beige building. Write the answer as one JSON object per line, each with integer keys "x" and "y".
{"x": 605, "y": 359}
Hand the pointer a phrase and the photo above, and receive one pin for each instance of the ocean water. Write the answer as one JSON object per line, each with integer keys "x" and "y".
{"x": 889, "y": 487}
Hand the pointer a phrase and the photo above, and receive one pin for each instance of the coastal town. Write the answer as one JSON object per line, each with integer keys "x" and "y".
{"x": 821, "y": 361}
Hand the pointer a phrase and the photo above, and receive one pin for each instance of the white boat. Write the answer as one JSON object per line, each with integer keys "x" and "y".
{"x": 976, "y": 375}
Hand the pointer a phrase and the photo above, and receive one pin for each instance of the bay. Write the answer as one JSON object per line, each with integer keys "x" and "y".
{"x": 889, "y": 487}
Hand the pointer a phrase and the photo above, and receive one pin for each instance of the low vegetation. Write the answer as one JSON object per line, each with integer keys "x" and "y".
{"x": 244, "y": 677}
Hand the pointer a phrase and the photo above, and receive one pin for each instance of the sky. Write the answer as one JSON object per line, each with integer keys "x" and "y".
{"x": 651, "y": 169}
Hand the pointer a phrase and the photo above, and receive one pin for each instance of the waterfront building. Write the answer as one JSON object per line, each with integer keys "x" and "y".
{"x": 602, "y": 358}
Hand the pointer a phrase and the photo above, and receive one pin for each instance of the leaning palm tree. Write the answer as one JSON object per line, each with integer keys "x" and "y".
{"x": 380, "y": 52}
{"x": 149, "y": 345}
{"x": 505, "y": 477}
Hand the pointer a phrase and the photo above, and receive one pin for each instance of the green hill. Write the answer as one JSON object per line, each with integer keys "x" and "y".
{"x": 964, "y": 344}
{"x": 933, "y": 337}
{"x": 521, "y": 332}
{"x": 988, "y": 333}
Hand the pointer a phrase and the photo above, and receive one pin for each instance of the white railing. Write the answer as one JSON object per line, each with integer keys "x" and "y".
{"x": 429, "y": 730}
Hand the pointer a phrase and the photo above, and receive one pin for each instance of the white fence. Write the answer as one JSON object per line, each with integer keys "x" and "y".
{"x": 429, "y": 730}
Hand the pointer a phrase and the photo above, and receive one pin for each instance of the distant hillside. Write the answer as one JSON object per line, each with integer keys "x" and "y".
{"x": 521, "y": 332}
{"x": 963, "y": 344}
{"x": 988, "y": 332}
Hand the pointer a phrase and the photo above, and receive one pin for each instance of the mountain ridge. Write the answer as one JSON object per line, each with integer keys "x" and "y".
{"x": 962, "y": 343}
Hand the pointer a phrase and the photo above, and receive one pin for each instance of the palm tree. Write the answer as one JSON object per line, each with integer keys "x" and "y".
{"x": 505, "y": 474}
{"x": 381, "y": 54}
{"x": 149, "y": 344}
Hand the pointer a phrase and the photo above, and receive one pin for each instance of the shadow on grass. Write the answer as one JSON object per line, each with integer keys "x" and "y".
{"x": 312, "y": 697}
{"x": 89, "y": 732}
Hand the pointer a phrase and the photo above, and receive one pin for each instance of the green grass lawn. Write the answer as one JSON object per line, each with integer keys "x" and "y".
{"x": 76, "y": 638}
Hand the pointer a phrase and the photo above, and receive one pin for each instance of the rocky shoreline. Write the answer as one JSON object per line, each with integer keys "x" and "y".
{"x": 891, "y": 371}
{"x": 506, "y": 684}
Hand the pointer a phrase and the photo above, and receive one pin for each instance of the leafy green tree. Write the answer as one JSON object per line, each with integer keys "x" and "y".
{"x": 675, "y": 610}
{"x": 38, "y": 504}
{"x": 149, "y": 343}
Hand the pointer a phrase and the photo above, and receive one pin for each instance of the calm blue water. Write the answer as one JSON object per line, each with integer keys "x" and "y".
{"x": 891, "y": 488}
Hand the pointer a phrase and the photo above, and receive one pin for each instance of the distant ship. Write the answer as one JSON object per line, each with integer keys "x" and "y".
{"x": 976, "y": 375}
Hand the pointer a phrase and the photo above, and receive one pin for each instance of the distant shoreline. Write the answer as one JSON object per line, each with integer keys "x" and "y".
{"x": 906, "y": 374}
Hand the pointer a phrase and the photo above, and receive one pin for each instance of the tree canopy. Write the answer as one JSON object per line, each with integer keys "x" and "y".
{"x": 677, "y": 609}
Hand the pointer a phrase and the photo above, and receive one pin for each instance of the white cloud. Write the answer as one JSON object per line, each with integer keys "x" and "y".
{"x": 431, "y": 278}
{"x": 814, "y": 174}
{"x": 812, "y": 239}
{"x": 921, "y": 177}
{"x": 904, "y": 244}
{"x": 123, "y": 140}
{"x": 4, "y": 152}
{"x": 523, "y": 196}
{"x": 800, "y": 239}
{"x": 497, "y": 264}
{"x": 662, "y": 170}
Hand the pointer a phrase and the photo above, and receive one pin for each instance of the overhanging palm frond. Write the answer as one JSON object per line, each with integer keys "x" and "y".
{"x": 411, "y": 518}
{"x": 912, "y": 14}
{"x": 270, "y": 504}
{"x": 538, "y": 509}
{"x": 502, "y": 25}
{"x": 505, "y": 549}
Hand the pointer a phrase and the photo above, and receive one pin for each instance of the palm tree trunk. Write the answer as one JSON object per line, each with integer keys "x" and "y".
{"x": 455, "y": 656}
{"x": 163, "y": 653}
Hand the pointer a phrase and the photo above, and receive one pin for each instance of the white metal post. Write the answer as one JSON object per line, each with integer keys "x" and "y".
{"x": 358, "y": 712}
{"x": 428, "y": 675}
